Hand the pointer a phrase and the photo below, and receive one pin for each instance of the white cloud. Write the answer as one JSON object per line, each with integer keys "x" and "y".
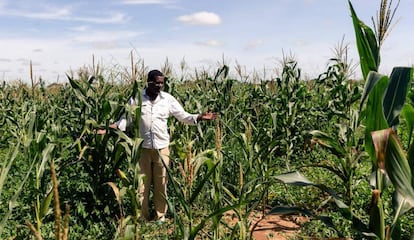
{"x": 200, "y": 18}
{"x": 211, "y": 43}
{"x": 2, "y": 3}
{"x": 109, "y": 36}
{"x": 133, "y": 2}
{"x": 102, "y": 45}
{"x": 300, "y": 43}
{"x": 254, "y": 44}
{"x": 61, "y": 13}
{"x": 64, "y": 13}
{"x": 61, "y": 54}
{"x": 82, "y": 28}
{"x": 113, "y": 18}
{"x": 309, "y": 1}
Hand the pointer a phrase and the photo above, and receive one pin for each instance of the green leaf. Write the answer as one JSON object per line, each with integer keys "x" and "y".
{"x": 6, "y": 167}
{"x": 46, "y": 156}
{"x": 400, "y": 206}
{"x": 13, "y": 200}
{"x": 106, "y": 108}
{"x": 45, "y": 206}
{"x": 376, "y": 215}
{"x": 407, "y": 113}
{"x": 372, "y": 79}
{"x": 285, "y": 210}
{"x": 217, "y": 213}
{"x": 297, "y": 179}
{"x": 332, "y": 144}
{"x": 410, "y": 158}
{"x": 368, "y": 49}
{"x": 177, "y": 190}
{"x": 294, "y": 178}
{"x": 76, "y": 86}
{"x": 202, "y": 183}
{"x": 396, "y": 93}
{"x": 374, "y": 89}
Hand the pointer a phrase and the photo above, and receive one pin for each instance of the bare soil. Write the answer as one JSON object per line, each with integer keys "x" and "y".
{"x": 271, "y": 227}
{"x": 276, "y": 227}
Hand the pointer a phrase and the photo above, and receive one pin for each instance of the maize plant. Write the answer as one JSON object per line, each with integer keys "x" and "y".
{"x": 386, "y": 98}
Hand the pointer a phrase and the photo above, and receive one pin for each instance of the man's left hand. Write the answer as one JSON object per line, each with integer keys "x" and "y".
{"x": 207, "y": 116}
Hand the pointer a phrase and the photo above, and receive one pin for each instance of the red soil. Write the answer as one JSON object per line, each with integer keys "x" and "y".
{"x": 271, "y": 227}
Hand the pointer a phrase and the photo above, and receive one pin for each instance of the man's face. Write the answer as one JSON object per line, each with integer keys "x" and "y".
{"x": 156, "y": 86}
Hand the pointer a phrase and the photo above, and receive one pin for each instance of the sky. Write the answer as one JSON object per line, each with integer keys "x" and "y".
{"x": 59, "y": 37}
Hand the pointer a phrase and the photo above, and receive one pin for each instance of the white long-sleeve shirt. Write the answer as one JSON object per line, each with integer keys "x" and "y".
{"x": 154, "y": 119}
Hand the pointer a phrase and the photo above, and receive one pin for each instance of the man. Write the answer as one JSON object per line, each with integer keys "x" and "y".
{"x": 157, "y": 107}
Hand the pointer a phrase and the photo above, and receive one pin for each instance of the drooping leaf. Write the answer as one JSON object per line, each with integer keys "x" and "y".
{"x": 286, "y": 210}
{"x": 331, "y": 143}
{"x": 372, "y": 79}
{"x": 400, "y": 206}
{"x": 380, "y": 140}
{"x": 294, "y": 178}
{"x": 297, "y": 179}
{"x": 392, "y": 159}
{"x": 115, "y": 189}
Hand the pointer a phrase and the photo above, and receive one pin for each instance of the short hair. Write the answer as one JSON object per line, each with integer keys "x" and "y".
{"x": 153, "y": 74}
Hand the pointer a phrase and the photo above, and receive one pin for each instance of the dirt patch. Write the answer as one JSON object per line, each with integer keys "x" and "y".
{"x": 275, "y": 227}
{"x": 271, "y": 227}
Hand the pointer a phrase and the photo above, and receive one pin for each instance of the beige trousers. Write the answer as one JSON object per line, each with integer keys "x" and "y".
{"x": 155, "y": 173}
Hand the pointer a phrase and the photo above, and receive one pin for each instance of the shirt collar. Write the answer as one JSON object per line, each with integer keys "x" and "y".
{"x": 161, "y": 95}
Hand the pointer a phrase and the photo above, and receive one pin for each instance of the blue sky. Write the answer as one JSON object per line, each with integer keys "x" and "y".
{"x": 60, "y": 36}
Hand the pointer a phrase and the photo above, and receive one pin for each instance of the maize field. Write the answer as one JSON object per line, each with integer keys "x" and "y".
{"x": 336, "y": 150}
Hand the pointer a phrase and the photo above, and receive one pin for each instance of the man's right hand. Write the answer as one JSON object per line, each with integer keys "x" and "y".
{"x": 103, "y": 131}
